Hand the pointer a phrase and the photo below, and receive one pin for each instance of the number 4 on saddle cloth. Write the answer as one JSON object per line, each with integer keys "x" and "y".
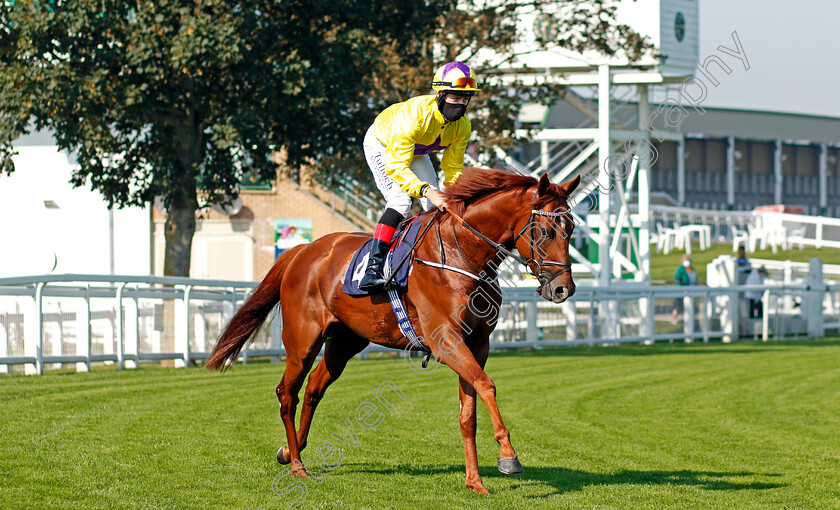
{"x": 399, "y": 260}
{"x": 401, "y": 245}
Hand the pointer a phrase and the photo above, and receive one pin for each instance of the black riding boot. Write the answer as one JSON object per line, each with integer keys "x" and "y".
{"x": 373, "y": 278}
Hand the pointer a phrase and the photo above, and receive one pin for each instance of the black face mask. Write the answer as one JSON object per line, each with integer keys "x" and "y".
{"x": 452, "y": 111}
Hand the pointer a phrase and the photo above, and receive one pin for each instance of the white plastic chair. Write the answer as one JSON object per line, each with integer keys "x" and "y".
{"x": 738, "y": 237}
{"x": 757, "y": 237}
{"x": 795, "y": 236}
{"x": 665, "y": 238}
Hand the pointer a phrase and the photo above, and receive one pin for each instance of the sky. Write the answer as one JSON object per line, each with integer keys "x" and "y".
{"x": 793, "y": 49}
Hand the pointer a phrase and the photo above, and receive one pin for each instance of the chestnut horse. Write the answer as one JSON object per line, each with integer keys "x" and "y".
{"x": 490, "y": 213}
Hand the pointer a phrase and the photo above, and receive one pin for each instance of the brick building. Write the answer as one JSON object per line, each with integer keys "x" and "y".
{"x": 242, "y": 246}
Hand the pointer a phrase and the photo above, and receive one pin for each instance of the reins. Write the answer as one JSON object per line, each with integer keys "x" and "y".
{"x": 543, "y": 276}
{"x": 497, "y": 246}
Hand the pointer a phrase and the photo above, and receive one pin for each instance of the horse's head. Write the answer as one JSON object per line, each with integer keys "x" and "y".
{"x": 543, "y": 239}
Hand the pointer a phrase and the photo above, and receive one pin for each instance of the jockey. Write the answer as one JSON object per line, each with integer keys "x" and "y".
{"x": 397, "y": 148}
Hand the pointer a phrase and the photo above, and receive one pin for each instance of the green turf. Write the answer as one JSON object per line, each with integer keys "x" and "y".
{"x": 700, "y": 426}
{"x": 663, "y": 266}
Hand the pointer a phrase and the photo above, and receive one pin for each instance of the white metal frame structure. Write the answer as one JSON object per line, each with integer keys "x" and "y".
{"x": 614, "y": 189}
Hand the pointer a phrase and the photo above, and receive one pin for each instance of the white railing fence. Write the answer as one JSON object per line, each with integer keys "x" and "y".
{"x": 801, "y": 230}
{"x": 54, "y": 320}
{"x": 60, "y": 321}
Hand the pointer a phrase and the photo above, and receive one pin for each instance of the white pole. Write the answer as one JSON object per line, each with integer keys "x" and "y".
{"x": 120, "y": 327}
{"x": 649, "y": 317}
{"x": 34, "y": 333}
{"x": 83, "y": 331}
{"x": 111, "y": 240}
{"x": 688, "y": 318}
{"x": 570, "y": 312}
{"x": 531, "y": 332}
{"x": 131, "y": 332}
{"x": 765, "y": 315}
{"x": 644, "y": 186}
{"x": 182, "y": 329}
{"x": 812, "y": 309}
{"x": 608, "y": 309}
{"x": 545, "y": 157}
{"x": 604, "y": 176}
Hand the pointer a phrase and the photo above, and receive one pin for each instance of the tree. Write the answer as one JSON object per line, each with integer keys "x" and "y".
{"x": 178, "y": 98}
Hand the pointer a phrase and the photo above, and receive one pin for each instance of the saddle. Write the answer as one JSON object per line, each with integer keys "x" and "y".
{"x": 398, "y": 262}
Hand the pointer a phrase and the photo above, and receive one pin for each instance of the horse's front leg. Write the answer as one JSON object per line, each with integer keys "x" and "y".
{"x": 460, "y": 359}
{"x": 468, "y": 421}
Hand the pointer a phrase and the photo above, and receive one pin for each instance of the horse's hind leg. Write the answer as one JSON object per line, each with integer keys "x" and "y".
{"x": 298, "y": 362}
{"x": 466, "y": 394}
{"x": 340, "y": 347}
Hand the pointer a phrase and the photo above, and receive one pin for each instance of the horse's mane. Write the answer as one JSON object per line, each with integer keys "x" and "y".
{"x": 476, "y": 183}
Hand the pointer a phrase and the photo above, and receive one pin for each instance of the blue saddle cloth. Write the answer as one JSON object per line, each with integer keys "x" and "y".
{"x": 402, "y": 244}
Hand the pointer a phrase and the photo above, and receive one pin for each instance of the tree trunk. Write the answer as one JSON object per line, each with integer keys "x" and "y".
{"x": 183, "y": 203}
{"x": 178, "y": 231}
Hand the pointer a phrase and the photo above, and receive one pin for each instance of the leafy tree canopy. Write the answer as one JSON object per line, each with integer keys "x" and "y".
{"x": 176, "y": 98}
{"x": 179, "y": 98}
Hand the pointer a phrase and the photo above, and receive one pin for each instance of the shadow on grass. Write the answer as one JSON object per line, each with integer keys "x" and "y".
{"x": 566, "y": 480}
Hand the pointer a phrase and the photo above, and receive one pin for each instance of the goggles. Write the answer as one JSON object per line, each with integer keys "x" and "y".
{"x": 459, "y": 83}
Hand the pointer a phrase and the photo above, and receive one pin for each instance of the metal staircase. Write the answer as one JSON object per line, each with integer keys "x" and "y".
{"x": 613, "y": 113}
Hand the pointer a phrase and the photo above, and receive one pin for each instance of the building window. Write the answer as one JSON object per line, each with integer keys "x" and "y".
{"x": 251, "y": 181}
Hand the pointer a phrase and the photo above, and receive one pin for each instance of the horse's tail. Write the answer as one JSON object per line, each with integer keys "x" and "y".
{"x": 248, "y": 319}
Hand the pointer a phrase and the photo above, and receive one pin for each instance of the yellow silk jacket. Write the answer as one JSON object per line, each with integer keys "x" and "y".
{"x": 416, "y": 127}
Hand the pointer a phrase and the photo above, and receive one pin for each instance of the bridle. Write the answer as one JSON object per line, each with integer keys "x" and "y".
{"x": 534, "y": 266}
{"x": 543, "y": 276}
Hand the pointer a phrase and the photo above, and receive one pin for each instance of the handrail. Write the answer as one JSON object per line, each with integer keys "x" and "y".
{"x": 150, "y": 279}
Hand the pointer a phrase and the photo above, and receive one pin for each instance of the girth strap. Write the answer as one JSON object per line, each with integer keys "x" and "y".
{"x": 404, "y": 323}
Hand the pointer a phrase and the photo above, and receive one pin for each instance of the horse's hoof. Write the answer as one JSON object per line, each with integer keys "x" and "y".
{"x": 282, "y": 457}
{"x": 478, "y": 489}
{"x": 510, "y": 466}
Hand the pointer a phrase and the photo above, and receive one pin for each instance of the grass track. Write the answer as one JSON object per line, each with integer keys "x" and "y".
{"x": 663, "y": 266}
{"x": 701, "y": 426}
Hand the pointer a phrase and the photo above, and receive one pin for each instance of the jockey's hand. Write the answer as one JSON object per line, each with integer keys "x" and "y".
{"x": 437, "y": 198}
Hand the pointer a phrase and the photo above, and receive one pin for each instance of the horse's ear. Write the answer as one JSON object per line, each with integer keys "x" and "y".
{"x": 570, "y": 186}
{"x": 543, "y": 185}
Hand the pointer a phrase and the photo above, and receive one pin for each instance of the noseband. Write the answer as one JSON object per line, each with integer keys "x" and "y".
{"x": 544, "y": 277}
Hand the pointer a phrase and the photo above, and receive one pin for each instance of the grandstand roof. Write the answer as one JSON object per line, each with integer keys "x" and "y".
{"x": 718, "y": 122}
